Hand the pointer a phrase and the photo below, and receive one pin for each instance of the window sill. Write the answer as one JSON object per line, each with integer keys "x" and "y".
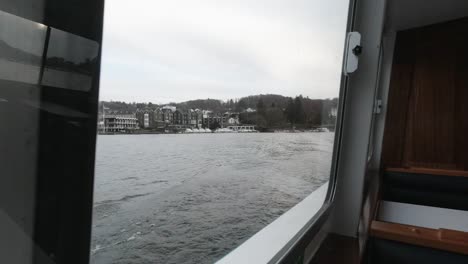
{"x": 265, "y": 245}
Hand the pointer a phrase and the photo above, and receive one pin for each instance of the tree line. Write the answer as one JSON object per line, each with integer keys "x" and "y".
{"x": 268, "y": 111}
{"x": 299, "y": 112}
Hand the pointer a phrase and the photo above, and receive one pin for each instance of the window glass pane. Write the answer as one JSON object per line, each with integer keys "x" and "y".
{"x": 20, "y": 54}
{"x": 66, "y": 69}
{"x": 21, "y": 49}
{"x": 216, "y": 117}
{"x": 47, "y": 136}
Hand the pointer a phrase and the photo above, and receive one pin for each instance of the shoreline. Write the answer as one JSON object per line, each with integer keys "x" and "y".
{"x": 174, "y": 133}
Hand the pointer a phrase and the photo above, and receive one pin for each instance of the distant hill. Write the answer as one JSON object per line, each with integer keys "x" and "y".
{"x": 13, "y": 54}
{"x": 268, "y": 99}
{"x": 17, "y": 55}
{"x": 208, "y": 104}
{"x": 271, "y": 110}
{"x": 239, "y": 105}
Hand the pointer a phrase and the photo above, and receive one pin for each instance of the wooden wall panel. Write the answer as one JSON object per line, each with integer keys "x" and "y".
{"x": 461, "y": 109}
{"x": 427, "y": 114}
{"x": 432, "y": 106}
{"x": 399, "y": 94}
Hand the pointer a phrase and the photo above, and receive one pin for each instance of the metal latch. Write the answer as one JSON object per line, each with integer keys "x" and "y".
{"x": 378, "y": 106}
{"x": 352, "y": 52}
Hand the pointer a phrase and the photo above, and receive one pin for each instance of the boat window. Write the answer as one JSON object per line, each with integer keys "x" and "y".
{"x": 49, "y": 84}
{"x": 215, "y": 118}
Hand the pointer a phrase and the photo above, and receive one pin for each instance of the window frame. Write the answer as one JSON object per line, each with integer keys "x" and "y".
{"x": 294, "y": 250}
{"x": 290, "y": 252}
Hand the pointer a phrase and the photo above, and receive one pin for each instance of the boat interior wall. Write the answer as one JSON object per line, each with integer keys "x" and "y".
{"x": 404, "y": 14}
{"x": 439, "y": 56}
{"x": 378, "y": 127}
{"x": 369, "y": 208}
{"x": 426, "y": 189}
{"x": 357, "y": 118}
{"x": 337, "y": 249}
{"x": 395, "y": 243}
{"x": 426, "y": 124}
{"x": 423, "y": 216}
{"x": 401, "y": 15}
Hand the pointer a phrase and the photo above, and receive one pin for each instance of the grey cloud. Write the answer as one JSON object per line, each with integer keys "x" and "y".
{"x": 222, "y": 49}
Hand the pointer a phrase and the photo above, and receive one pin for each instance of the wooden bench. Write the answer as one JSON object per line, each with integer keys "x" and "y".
{"x": 442, "y": 239}
{"x": 440, "y": 172}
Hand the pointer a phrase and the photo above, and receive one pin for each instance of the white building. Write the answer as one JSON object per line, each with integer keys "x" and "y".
{"x": 120, "y": 123}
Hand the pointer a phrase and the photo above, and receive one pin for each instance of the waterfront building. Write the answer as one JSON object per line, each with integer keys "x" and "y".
{"x": 233, "y": 121}
{"x": 159, "y": 118}
{"x": 170, "y": 107}
{"x": 230, "y": 118}
{"x": 186, "y": 117}
{"x": 120, "y": 123}
{"x": 210, "y": 118}
{"x": 146, "y": 118}
{"x": 222, "y": 120}
{"x": 173, "y": 118}
{"x": 242, "y": 129}
{"x": 167, "y": 115}
{"x": 101, "y": 125}
{"x": 158, "y": 115}
{"x": 177, "y": 117}
{"x": 333, "y": 112}
{"x": 197, "y": 118}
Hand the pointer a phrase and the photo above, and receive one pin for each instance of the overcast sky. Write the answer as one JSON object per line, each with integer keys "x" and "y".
{"x": 176, "y": 50}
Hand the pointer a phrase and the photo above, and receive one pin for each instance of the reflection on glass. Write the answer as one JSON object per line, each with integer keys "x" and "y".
{"x": 20, "y": 54}
{"x": 209, "y": 173}
{"x": 70, "y": 61}
{"x": 45, "y": 129}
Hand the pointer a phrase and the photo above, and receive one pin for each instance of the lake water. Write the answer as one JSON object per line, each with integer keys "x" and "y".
{"x": 192, "y": 198}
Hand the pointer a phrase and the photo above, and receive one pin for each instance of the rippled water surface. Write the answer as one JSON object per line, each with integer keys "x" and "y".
{"x": 192, "y": 198}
